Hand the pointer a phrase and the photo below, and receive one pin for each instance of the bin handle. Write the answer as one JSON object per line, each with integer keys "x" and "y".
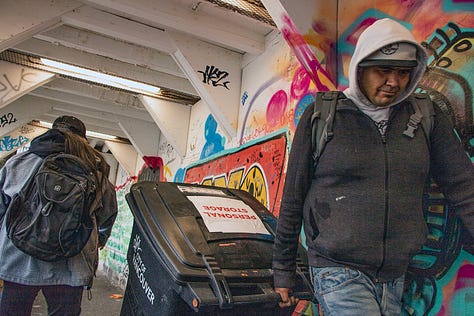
{"x": 268, "y": 296}
{"x": 218, "y": 283}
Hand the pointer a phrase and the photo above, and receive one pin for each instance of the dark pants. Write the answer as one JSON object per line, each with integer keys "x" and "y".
{"x": 18, "y": 299}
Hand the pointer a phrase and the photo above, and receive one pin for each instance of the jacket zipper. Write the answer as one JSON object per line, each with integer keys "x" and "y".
{"x": 385, "y": 224}
{"x": 384, "y": 240}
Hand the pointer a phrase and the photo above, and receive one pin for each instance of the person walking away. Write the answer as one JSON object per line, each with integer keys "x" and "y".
{"x": 62, "y": 282}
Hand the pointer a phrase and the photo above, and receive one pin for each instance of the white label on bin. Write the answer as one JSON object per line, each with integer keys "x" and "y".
{"x": 226, "y": 215}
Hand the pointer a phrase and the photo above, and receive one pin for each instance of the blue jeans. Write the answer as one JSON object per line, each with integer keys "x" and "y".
{"x": 342, "y": 291}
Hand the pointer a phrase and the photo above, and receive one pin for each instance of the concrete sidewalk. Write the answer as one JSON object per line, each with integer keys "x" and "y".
{"x": 106, "y": 300}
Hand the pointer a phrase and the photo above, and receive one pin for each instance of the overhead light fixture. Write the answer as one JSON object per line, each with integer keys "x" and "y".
{"x": 88, "y": 133}
{"x": 101, "y": 78}
{"x": 100, "y": 135}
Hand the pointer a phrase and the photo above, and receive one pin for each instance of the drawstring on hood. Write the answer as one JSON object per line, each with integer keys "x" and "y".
{"x": 382, "y": 33}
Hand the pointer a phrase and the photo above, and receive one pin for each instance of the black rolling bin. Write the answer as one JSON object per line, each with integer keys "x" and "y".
{"x": 201, "y": 250}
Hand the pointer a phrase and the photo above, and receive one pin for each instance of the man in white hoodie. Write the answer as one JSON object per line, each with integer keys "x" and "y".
{"x": 362, "y": 205}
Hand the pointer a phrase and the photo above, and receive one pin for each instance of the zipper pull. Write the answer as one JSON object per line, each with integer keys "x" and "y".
{"x": 47, "y": 208}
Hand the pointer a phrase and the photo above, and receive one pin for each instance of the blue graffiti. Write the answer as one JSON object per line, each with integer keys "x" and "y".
{"x": 179, "y": 176}
{"x": 8, "y": 144}
{"x": 302, "y": 105}
{"x": 245, "y": 96}
{"x": 214, "y": 141}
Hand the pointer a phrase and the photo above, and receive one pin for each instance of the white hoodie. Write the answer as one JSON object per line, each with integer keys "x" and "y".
{"x": 376, "y": 36}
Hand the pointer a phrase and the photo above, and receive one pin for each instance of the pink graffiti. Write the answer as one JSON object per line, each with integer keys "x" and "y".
{"x": 305, "y": 56}
{"x": 276, "y": 107}
{"x": 463, "y": 281}
{"x": 354, "y": 36}
{"x": 299, "y": 84}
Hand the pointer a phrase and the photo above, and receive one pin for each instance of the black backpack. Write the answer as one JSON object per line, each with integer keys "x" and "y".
{"x": 324, "y": 110}
{"x": 51, "y": 218}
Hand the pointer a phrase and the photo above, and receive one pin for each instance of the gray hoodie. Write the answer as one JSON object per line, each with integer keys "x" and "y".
{"x": 376, "y": 36}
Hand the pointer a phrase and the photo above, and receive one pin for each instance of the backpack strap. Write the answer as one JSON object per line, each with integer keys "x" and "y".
{"x": 424, "y": 113}
{"x": 324, "y": 109}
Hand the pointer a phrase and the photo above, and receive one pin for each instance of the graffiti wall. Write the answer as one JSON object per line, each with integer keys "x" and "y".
{"x": 257, "y": 168}
{"x": 279, "y": 84}
{"x": 113, "y": 257}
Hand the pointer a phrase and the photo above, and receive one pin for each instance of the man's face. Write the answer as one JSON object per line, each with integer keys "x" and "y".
{"x": 383, "y": 84}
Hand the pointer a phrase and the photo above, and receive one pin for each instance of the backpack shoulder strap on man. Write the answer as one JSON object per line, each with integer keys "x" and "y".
{"x": 423, "y": 114}
{"x": 322, "y": 119}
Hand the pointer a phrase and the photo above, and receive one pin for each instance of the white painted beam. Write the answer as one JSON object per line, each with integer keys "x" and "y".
{"x": 105, "y": 65}
{"x": 74, "y": 88}
{"x": 22, "y": 111}
{"x": 23, "y": 19}
{"x": 99, "y": 127}
{"x": 117, "y": 27}
{"x": 145, "y": 137}
{"x": 295, "y": 18}
{"x": 174, "y": 15}
{"x": 125, "y": 155}
{"x": 300, "y": 12}
{"x": 94, "y": 43}
{"x": 92, "y": 105}
{"x": 97, "y": 118}
{"x": 216, "y": 74}
{"x": 172, "y": 119}
{"x": 16, "y": 81}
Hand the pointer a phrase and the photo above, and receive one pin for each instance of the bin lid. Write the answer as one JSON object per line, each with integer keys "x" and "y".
{"x": 184, "y": 222}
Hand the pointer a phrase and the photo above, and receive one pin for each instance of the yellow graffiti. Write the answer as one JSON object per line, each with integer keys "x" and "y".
{"x": 253, "y": 182}
{"x": 167, "y": 171}
{"x": 234, "y": 178}
{"x": 220, "y": 181}
{"x": 207, "y": 181}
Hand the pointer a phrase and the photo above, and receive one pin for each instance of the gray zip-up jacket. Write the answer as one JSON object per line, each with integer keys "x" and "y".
{"x": 18, "y": 267}
{"x": 362, "y": 205}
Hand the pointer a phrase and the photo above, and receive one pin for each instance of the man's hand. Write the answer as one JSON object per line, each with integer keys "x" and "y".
{"x": 286, "y": 299}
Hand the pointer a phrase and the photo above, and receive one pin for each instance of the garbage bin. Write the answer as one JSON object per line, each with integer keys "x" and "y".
{"x": 201, "y": 250}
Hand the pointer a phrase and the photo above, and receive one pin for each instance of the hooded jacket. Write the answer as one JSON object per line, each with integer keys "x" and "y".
{"x": 362, "y": 206}
{"x": 18, "y": 267}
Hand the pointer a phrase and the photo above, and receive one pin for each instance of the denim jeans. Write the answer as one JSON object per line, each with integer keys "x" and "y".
{"x": 342, "y": 291}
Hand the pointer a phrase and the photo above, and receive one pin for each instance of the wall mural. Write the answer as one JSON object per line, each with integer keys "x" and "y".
{"x": 214, "y": 141}
{"x": 113, "y": 256}
{"x": 442, "y": 275}
{"x": 257, "y": 168}
{"x": 441, "y": 278}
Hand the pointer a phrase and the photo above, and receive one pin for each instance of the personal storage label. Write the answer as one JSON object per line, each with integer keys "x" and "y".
{"x": 227, "y": 215}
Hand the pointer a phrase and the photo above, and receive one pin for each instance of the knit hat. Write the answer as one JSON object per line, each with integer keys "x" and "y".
{"x": 70, "y": 123}
{"x": 399, "y": 54}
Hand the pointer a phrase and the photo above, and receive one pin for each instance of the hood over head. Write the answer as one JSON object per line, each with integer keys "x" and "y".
{"x": 48, "y": 143}
{"x": 385, "y": 42}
